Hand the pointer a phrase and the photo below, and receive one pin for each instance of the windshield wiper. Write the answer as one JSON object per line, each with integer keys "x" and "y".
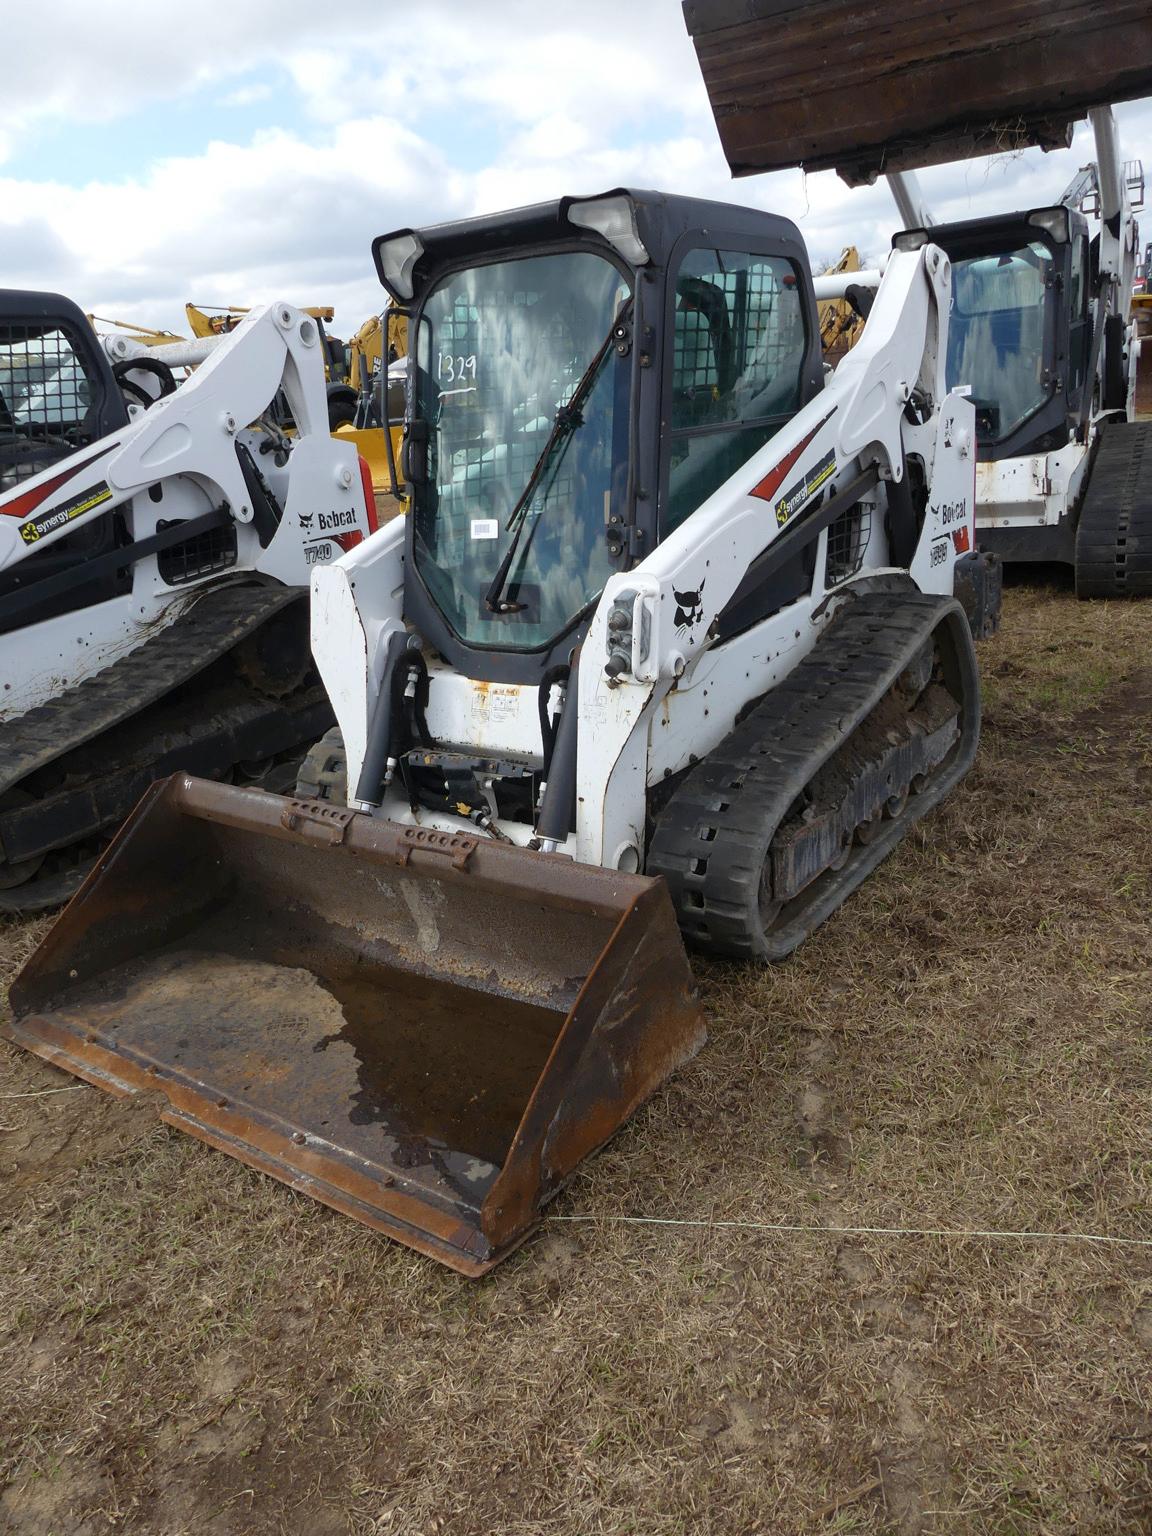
{"x": 568, "y": 417}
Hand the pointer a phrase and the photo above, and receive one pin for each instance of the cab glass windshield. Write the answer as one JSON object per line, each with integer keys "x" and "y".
{"x": 996, "y": 336}
{"x": 500, "y": 351}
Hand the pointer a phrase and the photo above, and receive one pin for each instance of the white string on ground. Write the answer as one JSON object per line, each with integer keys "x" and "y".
{"x": 42, "y": 1093}
{"x": 964, "y": 1233}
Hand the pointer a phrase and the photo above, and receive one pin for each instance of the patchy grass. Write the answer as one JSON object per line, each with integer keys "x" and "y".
{"x": 190, "y": 1347}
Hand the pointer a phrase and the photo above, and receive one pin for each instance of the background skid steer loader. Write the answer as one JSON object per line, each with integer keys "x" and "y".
{"x": 667, "y": 604}
{"x": 153, "y": 570}
{"x": 1043, "y": 333}
{"x": 1042, "y": 330}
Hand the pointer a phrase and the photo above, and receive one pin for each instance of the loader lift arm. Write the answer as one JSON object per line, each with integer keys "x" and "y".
{"x": 192, "y": 432}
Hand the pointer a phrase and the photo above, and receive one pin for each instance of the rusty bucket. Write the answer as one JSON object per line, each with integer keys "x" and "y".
{"x": 426, "y": 1031}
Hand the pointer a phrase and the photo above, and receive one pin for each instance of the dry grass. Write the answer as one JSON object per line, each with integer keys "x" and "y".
{"x": 189, "y": 1347}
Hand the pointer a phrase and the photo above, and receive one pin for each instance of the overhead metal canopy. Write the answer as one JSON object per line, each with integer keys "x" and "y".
{"x": 868, "y": 86}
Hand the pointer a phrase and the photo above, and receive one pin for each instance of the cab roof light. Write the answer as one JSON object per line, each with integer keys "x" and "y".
{"x": 615, "y": 218}
{"x": 398, "y": 256}
{"x": 1055, "y": 221}
{"x": 910, "y": 240}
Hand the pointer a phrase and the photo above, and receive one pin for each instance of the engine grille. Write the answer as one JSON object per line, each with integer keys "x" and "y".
{"x": 847, "y": 542}
{"x": 202, "y": 555}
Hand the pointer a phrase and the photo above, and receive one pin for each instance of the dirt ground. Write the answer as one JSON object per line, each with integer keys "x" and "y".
{"x": 188, "y": 1347}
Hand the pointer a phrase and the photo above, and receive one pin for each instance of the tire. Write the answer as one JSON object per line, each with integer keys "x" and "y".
{"x": 341, "y": 407}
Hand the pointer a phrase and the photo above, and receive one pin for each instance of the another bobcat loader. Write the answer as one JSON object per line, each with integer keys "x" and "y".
{"x": 1042, "y": 332}
{"x": 154, "y": 559}
{"x": 670, "y": 641}
{"x": 1041, "y": 325}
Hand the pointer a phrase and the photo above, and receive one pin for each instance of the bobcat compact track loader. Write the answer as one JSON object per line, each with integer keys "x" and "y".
{"x": 154, "y": 558}
{"x": 1040, "y": 328}
{"x": 1043, "y": 334}
{"x": 668, "y": 640}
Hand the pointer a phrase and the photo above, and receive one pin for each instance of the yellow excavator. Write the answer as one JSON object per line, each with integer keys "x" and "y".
{"x": 376, "y": 424}
{"x": 840, "y": 321}
{"x": 144, "y": 334}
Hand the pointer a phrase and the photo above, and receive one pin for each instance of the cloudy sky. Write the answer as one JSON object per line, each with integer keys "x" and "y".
{"x": 234, "y": 153}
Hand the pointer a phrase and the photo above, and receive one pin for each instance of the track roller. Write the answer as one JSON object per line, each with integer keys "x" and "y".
{"x": 324, "y": 772}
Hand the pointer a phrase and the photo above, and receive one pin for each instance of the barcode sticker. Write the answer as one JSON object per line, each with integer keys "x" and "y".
{"x": 485, "y": 527}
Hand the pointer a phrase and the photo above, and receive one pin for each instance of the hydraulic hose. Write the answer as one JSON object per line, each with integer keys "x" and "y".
{"x": 377, "y": 749}
{"x": 558, "y": 807}
{"x": 548, "y": 726}
{"x": 902, "y": 530}
{"x": 153, "y": 365}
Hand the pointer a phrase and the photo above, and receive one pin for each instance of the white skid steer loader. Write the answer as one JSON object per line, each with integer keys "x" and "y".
{"x": 154, "y": 562}
{"x": 1041, "y": 330}
{"x": 668, "y": 640}
{"x": 1042, "y": 333}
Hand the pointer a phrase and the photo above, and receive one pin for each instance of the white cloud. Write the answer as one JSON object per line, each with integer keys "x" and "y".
{"x": 607, "y": 60}
{"x": 228, "y": 225}
{"x": 376, "y": 125}
{"x": 247, "y": 95}
{"x": 75, "y": 61}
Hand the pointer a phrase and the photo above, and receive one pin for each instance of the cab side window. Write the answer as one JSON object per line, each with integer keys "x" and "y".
{"x": 46, "y": 398}
{"x": 737, "y": 368}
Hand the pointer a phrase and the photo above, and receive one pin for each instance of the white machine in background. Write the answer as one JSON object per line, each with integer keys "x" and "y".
{"x": 1042, "y": 333}
{"x": 153, "y": 571}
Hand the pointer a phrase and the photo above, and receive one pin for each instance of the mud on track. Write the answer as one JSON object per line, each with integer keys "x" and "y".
{"x": 188, "y": 1347}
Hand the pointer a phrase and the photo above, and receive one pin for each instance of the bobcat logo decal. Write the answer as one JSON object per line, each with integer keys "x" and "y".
{"x": 687, "y": 607}
{"x": 306, "y": 520}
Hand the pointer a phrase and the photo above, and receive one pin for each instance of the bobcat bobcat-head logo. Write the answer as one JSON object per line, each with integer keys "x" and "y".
{"x": 306, "y": 519}
{"x": 687, "y": 607}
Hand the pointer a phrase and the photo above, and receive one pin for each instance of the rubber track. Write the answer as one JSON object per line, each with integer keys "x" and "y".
{"x": 212, "y": 626}
{"x": 711, "y": 839}
{"x": 43, "y": 895}
{"x": 1114, "y": 533}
